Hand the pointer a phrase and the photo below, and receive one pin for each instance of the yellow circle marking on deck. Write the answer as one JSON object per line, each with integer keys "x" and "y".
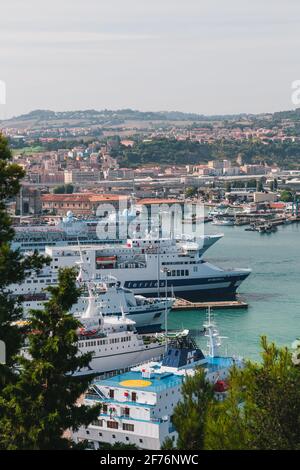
{"x": 135, "y": 383}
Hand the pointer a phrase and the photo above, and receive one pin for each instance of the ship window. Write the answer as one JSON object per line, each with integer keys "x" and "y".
{"x": 125, "y": 411}
{"x": 173, "y": 272}
{"x": 141, "y": 441}
{"x": 178, "y": 272}
{"x": 111, "y": 394}
{"x": 186, "y": 272}
{"x": 112, "y": 424}
{"x": 128, "y": 427}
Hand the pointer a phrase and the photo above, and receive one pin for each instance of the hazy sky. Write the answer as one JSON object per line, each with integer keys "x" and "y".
{"x": 204, "y": 56}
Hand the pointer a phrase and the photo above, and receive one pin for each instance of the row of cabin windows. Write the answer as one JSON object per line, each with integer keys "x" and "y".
{"x": 101, "y": 342}
{"x": 113, "y": 425}
{"x": 41, "y": 281}
{"x": 112, "y": 396}
{"x": 117, "y": 340}
{"x": 125, "y": 426}
{"x": 178, "y": 272}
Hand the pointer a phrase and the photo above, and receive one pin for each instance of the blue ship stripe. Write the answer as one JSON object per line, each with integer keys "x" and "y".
{"x": 183, "y": 282}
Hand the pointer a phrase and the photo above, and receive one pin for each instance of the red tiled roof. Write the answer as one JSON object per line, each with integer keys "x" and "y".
{"x": 159, "y": 201}
{"x": 81, "y": 197}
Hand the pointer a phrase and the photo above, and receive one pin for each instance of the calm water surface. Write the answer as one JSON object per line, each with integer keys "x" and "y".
{"x": 272, "y": 290}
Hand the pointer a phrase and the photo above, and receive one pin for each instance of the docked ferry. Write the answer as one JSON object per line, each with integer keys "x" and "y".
{"x": 149, "y": 267}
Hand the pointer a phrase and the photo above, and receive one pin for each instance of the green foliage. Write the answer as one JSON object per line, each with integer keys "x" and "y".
{"x": 171, "y": 151}
{"x": 190, "y": 413}
{"x": 262, "y": 410}
{"x": 191, "y": 192}
{"x": 286, "y": 196}
{"x": 64, "y": 189}
{"x": 228, "y": 186}
{"x": 41, "y": 405}
{"x": 13, "y": 266}
{"x": 259, "y": 185}
{"x": 168, "y": 444}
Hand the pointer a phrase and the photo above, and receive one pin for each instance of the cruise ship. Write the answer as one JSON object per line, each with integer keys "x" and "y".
{"x": 147, "y": 313}
{"x": 148, "y": 267}
{"x": 137, "y": 406}
{"x": 62, "y": 231}
{"x": 70, "y": 230}
{"x": 113, "y": 341}
{"x": 114, "y": 228}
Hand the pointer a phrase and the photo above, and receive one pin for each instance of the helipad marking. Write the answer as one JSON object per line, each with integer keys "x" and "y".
{"x": 136, "y": 383}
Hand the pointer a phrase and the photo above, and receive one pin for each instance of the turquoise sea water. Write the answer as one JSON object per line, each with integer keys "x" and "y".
{"x": 272, "y": 290}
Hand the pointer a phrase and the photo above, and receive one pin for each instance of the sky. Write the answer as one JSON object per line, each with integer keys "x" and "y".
{"x": 208, "y": 57}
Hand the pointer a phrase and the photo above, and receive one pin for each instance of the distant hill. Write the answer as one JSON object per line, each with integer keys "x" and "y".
{"x": 113, "y": 116}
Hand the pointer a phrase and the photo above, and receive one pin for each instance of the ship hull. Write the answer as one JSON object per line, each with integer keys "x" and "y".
{"x": 120, "y": 361}
{"x": 202, "y": 289}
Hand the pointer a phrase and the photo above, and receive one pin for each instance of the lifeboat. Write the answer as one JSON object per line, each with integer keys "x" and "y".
{"x": 106, "y": 259}
{"x": 85, "y": 332}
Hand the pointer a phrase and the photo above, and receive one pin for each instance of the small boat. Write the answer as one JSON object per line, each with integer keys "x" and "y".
{"x": 222, "y": 221}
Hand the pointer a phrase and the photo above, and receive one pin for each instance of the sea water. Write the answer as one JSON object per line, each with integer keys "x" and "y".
{"x": 272, "y": 290}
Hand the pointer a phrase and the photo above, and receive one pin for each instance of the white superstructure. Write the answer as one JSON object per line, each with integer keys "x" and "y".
{"x": 137, "y": 406}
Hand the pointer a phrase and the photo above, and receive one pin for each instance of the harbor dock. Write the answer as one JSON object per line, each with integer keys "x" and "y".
{"x": 182, "y": 304}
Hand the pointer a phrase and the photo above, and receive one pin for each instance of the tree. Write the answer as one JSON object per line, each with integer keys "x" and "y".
{"x": 59, "y": 189}
{"x": 259, "y": 185}
{"x": 37, "y": 409}
{"x": 228, "y": 186}
{"x": 63, "y": 189}
{"x": 286, "y": 196}
{"x": 190, "y": 413}
{"x": 262, "y": 410}
{"x": 13, "y": 267}
{"x": 191, "y": 192}
{"x": 69, "y": 188}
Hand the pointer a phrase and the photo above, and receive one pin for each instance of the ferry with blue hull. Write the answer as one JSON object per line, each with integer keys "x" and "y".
{"x": 157, "y": 267}
{"x": 150, "y": 267}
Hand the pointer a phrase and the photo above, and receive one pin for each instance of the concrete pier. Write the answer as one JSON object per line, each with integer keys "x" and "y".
{"x": 182, "y": 304}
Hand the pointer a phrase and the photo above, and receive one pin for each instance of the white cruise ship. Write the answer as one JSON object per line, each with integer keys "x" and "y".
{"x": 148, "y": 267}
{"x": 147, "y": 313}
{"x": 113, "y": 341}
{"x": 137, "y": 406}
{"x": 70, "y": 230}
